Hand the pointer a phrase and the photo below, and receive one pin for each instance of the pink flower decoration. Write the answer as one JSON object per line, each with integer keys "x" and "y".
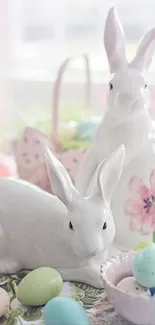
{"x": 142, "y": 210}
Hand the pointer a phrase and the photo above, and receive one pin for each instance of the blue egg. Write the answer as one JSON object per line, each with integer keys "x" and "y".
{"x": 86, "y": 130}
{"x": 64, "y": 311}
{"x": 144, "y": 267}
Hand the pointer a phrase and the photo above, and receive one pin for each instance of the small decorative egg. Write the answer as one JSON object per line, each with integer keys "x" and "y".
{"x": 64, "y": 311}
{"x": 144, "y": 267}
{"x": 143, "y": 245}
{"x": 39, "y": 286}
{"x": 86, "y": 130}
{"x": 130, "y": 285}
{"x": 68, "y": 130}
{"x": 4, "y": 302}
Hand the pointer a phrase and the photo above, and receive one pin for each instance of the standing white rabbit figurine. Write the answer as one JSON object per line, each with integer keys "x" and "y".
{"x": 68, "y": 232}
{"x": 127, "y": 121}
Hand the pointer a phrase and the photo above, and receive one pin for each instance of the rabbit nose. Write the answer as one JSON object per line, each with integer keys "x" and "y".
{"x": 126, "y": 99}
{"x": 126, "y": 96}
{"x": 93, "y": 253}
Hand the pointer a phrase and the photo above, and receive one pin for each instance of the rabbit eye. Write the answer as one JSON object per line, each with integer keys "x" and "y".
{"x": 111, "y": 86}
{"x": 104, "y": 226}
{"x": 145, "y": 86}
{"x": 71, "y": 226}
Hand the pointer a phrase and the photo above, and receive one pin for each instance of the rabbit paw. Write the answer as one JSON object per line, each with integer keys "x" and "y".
{"x": 94, "y": 277}
{"x": 9, "y": 266}
{"x": 89, "y": 275}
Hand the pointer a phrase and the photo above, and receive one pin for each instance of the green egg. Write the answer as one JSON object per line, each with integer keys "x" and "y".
{"x": 39, "y": 286}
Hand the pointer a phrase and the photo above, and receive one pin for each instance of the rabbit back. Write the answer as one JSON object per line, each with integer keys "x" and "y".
{"x": 32, "y": 225}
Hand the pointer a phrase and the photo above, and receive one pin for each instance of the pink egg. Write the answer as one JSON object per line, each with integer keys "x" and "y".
{"x": 4, "y": 170}
{"x": 7, "y": 166}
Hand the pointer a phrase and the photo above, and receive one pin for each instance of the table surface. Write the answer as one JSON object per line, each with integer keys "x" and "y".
{"x": 93, "y": 300}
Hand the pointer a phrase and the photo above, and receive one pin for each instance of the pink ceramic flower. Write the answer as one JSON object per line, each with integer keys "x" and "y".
{"x": 141, "y": 210}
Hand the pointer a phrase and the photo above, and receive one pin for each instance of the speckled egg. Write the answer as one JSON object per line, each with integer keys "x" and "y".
{"x": 144, "y": 267}
{"x": 130, "y": 285}
{"x": 39, "y": 286}
{"x": 4, "y": 302}
{"x": 64, "y": 311}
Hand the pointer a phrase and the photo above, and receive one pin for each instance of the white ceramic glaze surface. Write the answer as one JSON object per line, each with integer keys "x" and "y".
{"x": 68, "y": 232}
{"x": 127, "y": 121}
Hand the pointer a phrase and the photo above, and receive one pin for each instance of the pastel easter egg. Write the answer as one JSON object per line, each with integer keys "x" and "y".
{"x": 68, "y": 130}
{"x": 64, "y": 311}
{"x": 130, "y": 285}
{"x": 39, "y": 286}
{"x": 143, "y": 245}
{"x": 86, "y": 130}
{"x": 144, "y": 267}
{"x": 4, "y": 302}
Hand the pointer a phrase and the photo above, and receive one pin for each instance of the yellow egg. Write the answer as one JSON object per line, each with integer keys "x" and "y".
{"x": 4, "y": 302}
{"x": 67, "y": 131}
{"x": 143, "y": 245}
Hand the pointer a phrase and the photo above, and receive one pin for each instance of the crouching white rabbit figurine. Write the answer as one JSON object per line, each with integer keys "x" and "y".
{"x": 127, "y": 120}
{"x": 69, "y": 232}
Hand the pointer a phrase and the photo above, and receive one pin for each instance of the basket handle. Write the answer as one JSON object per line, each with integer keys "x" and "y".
{"x": 56, "y": 95}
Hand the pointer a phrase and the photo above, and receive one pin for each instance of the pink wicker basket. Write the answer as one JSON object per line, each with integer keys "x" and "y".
{"x": 29, "y": 150}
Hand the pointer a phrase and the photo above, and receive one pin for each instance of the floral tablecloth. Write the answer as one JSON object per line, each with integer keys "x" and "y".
{"x": 93, "y": 300}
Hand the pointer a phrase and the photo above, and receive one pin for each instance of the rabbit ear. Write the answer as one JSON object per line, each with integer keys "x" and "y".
{"x": 60, "y": 180}
{"x": 108, "y": 174}
{"x": 114, "y": 41}
{"x": 145, "y": 51}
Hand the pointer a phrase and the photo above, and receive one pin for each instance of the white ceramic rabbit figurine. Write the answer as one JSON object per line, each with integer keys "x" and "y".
{"x": 68, "y": 232}
{"x": 127, "y": 120}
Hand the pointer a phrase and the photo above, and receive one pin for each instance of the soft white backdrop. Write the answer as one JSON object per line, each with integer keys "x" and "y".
{"x": 36, "y": 35}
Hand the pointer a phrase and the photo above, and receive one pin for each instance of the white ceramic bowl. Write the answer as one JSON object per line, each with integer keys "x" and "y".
{"x": 137, "y": 309}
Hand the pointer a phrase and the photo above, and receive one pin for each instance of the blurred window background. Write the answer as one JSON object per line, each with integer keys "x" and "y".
{"x": 37, "y": 35}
